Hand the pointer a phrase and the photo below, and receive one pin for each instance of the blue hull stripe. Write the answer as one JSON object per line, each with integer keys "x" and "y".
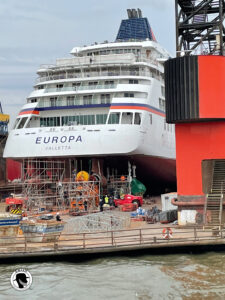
{"x": 94, "y": 106}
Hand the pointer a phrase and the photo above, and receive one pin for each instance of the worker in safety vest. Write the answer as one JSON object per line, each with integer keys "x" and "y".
{"x": 106, "y": 199}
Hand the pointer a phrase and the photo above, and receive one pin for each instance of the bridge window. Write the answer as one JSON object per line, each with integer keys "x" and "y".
{"x": 137, "y": 119}
{"x": 127, "y": 118}
{"x": 16, "y": 123}
{"x": 114, "y": 118}
{"x": 22, "y": 122}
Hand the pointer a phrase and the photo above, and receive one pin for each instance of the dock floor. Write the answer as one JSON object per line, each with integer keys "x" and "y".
{"x": 152, "y": 237}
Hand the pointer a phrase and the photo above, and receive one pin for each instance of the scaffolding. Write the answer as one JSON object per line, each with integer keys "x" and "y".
{"x": 39, "y": 180}
{"x": 55, "y": 185}
{"x": 199, "y": 27}
{"x": 81, "y": 195}
{"x": 102, "y": 221}
{"x": 46, "y": 187}
{"x": 119, "y": 186}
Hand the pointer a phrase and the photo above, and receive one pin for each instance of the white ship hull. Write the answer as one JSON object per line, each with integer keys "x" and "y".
{"x": 88, "y": 141}
{"x": 116, "y": 91}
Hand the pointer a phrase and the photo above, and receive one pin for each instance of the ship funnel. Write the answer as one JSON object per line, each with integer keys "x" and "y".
{"x": 135, "y": 27}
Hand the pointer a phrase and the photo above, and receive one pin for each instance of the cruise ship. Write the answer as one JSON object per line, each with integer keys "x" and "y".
{"x": 105, "y": 102}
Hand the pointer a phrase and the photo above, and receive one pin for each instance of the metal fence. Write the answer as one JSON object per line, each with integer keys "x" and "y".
{"x": 110, "y": 240}
{"x": 97, "y": 222}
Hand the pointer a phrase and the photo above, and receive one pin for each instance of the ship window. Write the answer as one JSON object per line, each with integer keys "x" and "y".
{"x": 109, "y": 82}
{"x": 76, "y": 84}
{"x": 162, "y": 104}
{"x": 93, "y": 83}
{"x": 53, "y": 101}
{"x": 114, "y": 118}
{"x": 101, "y": 119}
{"x": 16, "y": 122}
{"x": 59, "y": 86}
{"x": 29, "y": 123}
{"x": 116, "y": 51}
{"x": 73, "y": 120}
{"x": 70, "y": 100}
{"x": 22, "y": 122}
{"x": 40, "y": 87}
{"x": 50, "y": 122}
{"x": 127, "y": 118}
{"x": 150, "y": 118}
{"x": 105, "y": 98}
{"x": 137, "y": 119}
{"x": 87, "y": 99}
{"x": 33, "y": 100}
{"x": 163, "y": 91}
{"x": 133, "y": 81}
{"x": 134, "y": 71}
{"x": 130, "y": 95}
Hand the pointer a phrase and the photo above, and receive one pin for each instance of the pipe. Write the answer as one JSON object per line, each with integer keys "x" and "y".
{"x": 189, "y": 203}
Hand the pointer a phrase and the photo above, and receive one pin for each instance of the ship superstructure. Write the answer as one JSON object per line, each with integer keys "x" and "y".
{"x": 106, "y": 101}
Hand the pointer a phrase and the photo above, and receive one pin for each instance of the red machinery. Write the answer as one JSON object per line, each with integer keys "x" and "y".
{"x": 129, "y": 199}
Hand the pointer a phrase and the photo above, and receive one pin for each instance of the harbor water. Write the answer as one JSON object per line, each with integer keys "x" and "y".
{"x": 178, "y": 276}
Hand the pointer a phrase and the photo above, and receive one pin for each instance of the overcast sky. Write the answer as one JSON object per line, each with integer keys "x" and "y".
{"x": 35, "y": 32}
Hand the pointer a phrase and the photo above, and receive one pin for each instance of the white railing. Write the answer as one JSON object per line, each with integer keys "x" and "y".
{"x": 93, "y": 74}
{"x": 100, "y": 59}
{"x": 79, "y": 88}
{"x": 78, "y": 102}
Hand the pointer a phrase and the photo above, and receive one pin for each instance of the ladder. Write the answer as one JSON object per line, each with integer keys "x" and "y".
{"x": 214, "y": 200}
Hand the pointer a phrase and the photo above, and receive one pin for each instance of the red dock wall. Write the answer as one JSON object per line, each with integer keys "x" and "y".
{"x": 13, "y": 169}
{"x": 211, "y": 78}
{"x": 196, "y": 142}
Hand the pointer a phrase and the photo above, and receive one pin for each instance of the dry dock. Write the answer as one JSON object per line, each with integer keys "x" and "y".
{"x": 122, "y": 242}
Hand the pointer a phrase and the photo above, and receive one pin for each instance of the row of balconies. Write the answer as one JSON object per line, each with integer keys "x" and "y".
{"x": 69, "y": 75}
{"x": 79, "y": 88}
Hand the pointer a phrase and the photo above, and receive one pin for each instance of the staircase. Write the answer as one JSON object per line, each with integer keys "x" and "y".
{"x": 214, "y": 200}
